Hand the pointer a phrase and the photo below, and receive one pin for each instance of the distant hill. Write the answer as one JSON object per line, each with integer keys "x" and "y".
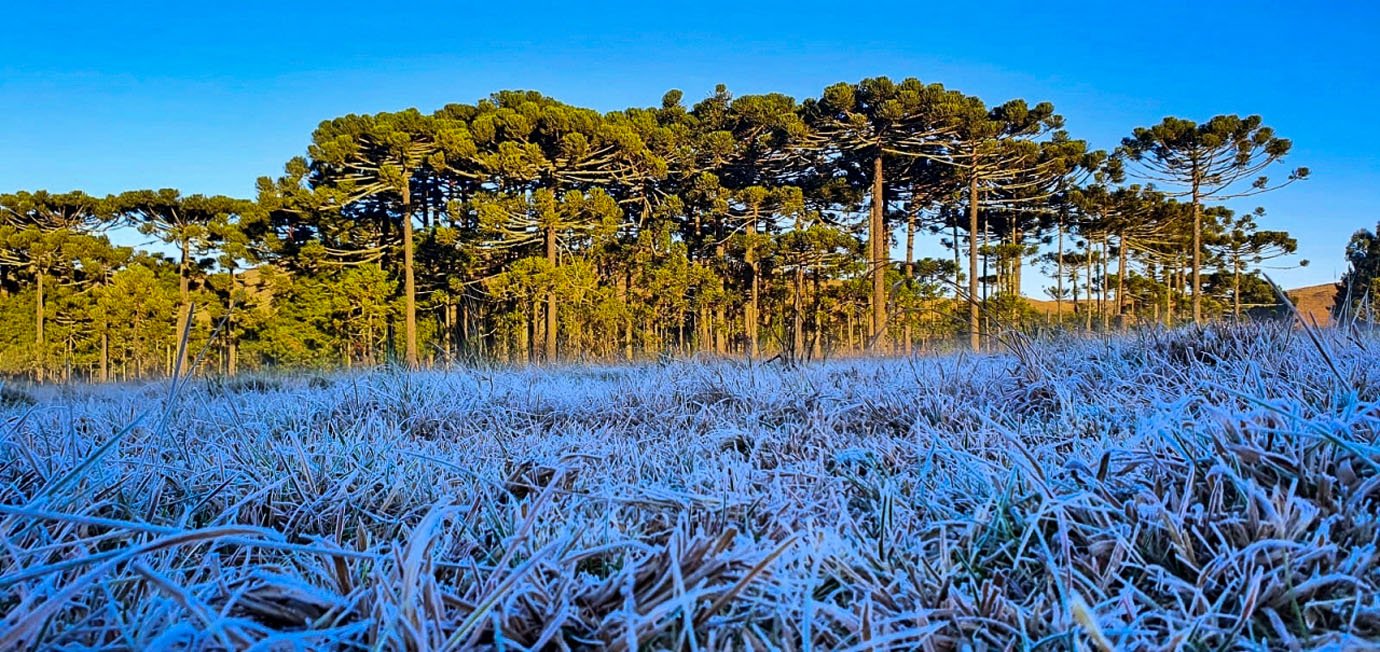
{"x": 1314, "y": 301}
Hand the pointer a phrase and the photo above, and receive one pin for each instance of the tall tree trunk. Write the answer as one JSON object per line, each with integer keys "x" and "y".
{"x": 817, "y": 348}
{"x": 1236, "y": 289}
{"x": 750, "y": 319}
{"x": 534, "y": 331}
{"x": 184, "y": 294}
{"x": 39, "y": 358}
{"x": 409, "y": 275}
{"x": 720, "y": 318}
{"x": 876, "y": 227}
{"x": 974, "y": 314}
{"x": 911, "y": 211}
{"x": 1169, "y": 278}
{"x": 1197, "y": 251}
{"x": 1088, "y": 289}
{"x": 105, "y": 353}
{"x": 798, "y": 315}
{"x": 1018, "y": 263}
{"x": 1102, "y": 301}
{"x": 549, "y": 352}
{"x": 448, "y": 336}
{"x": 1059, "y": 272}
{"x": 232, "y": 349}
{"x": 1121, "y": 280}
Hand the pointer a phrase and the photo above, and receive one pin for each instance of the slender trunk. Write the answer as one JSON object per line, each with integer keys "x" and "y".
{"x": 817, "y": 350}
{"x": 627, "y": 299}
{"x": 910, "y": 266}
{"x": 1121, "y": 279}
{"x": 184, "y": 294}
{"x": 1102, "y": 300}
{"x": 549, "y": 352}
{"x": 985, "y": 327}
{"x": 105, "y": 353}
{"x": 958, "y": 248}
{"x": 720, "y": 318}
{"x": 798, "y": 315}
{"x": 877, "y": 234}
{"x": 1169, "y": 276}
{"x": 1059, "y": 272}
{"x": 39, "y": 358}
{"x": 1018, "y": 263}
{"x": 448, "y": 337}
{"x": 534, "y": 330}
{"x": 1197, "y": 252}
{"x": 750, "y": 319}
{"x": 974, "y": 314}
{"x": 1236, "y": 289}
{"x": 409, "y": 275}
{"x": 464, "y": 343}
{"x": 1088, "y": 290}
{"x": 232, "y": 353}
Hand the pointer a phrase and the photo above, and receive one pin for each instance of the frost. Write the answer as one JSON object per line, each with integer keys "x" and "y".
{"x": 1216, "y": 488}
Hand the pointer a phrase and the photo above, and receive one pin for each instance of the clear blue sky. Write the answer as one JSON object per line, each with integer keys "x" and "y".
{"x": 111, "y": 96}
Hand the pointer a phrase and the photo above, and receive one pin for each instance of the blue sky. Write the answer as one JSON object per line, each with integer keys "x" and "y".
{"x": 107, "y": 97}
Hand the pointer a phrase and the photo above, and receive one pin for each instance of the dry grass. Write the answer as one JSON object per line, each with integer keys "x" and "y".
{"x": 1212, "y": 489}
{"x": 1315, "y": 302}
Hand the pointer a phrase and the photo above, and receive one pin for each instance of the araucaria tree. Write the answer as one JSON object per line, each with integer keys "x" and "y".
{"x": 868, "y": 129}
{"x": 519, "y": 228}
{"x": 1206, "y": 162}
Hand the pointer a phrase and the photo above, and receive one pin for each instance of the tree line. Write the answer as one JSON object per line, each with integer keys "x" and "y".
{"x": 521, "y": 228}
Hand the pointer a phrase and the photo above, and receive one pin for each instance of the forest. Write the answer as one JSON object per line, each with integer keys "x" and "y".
{"x": 523, "y": 229}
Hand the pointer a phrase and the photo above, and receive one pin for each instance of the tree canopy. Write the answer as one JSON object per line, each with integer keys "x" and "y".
{"x": 880, "y": 215}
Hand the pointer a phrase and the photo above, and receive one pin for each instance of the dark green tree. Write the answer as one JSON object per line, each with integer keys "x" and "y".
{"x": 1206, "y": 162}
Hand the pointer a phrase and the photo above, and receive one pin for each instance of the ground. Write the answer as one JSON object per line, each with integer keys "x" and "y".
{"x": 1216, "y": 488}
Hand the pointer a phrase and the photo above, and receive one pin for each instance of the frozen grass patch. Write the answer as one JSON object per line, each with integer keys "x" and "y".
{"x": 1213, "y": 488}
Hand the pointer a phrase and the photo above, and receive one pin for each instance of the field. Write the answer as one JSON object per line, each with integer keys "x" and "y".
{"x": 1215, "y": 489}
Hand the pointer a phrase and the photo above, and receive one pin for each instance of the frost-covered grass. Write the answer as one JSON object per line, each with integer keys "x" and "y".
{"x": 1216, "y": 488}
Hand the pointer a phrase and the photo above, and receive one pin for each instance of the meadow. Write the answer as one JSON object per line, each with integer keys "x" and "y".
{"x": 1214, "y": 488}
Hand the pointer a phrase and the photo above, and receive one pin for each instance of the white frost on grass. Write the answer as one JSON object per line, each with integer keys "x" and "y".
{"x": 1214, "y": 487}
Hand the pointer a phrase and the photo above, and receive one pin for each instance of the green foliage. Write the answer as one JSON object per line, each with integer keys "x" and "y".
{"x": 1358, "y": 293}
{"x": 520, "y": 228}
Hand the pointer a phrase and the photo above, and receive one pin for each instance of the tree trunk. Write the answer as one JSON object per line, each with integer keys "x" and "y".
{"x": 750, "y": 319}
{"x": 1121, "y": 279}
{"x": 1059, "y": 272}
{"x": 105, "y": 353}
{"x": 910, "y": 267}
{"x": 1169, "y": 277}
{"x": 817, "y": 349}
{"x": 974, "y": 314}
{"x": 720, "y": 318}
{"x": 549, "y": 351}
{"x": 1018, "y": 263}
{"x": 798, "y": 316}
{"x": 876, "y": 227}
{"x": 232, "y": 357}
{"x": 409, "y": 275}
{"x": 1197, "y": 252}
{"x": 1102, "y": 301}
{"x": 40, "y": 359}
{"x": 1236, "y": 289}
{"x": 184, "y": 294}
{"x": 1088, "y": 289}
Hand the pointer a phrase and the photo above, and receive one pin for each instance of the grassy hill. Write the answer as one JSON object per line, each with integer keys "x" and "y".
{"x": 1314, "y": 301}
